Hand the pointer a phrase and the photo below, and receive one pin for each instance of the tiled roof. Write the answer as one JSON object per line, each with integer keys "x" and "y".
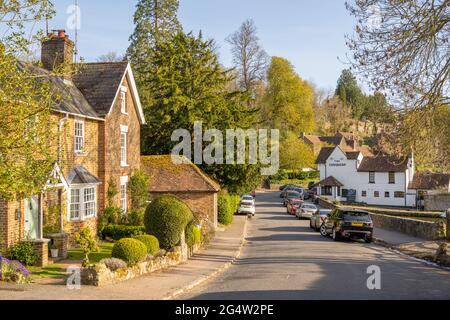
{"x": 329, "y": 182}
{"x": 312, "y": 139}
{"x": 71, "y": 99}
{"x": 383, "y": 163}
{"x": 166, "y": 176}
{"x": 324, "y": 154}
{"x": 99, "y": 83}
{"x": 80, "y": 175}
{"x": 430, "y": 181}
{"x": 353, "y": 155}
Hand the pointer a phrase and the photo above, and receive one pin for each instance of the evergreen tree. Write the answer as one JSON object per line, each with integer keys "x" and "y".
{"x": 351, "y": 94}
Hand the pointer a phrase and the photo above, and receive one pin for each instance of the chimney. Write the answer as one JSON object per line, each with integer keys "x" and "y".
{"x": 57, "y": 50}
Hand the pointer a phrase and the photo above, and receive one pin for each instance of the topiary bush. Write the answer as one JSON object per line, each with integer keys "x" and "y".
{"x": 117, "y": 232}
{"x": 151, "y": 242}
{"x": 136, "y": 217}
{"x": 193, "y": 234}
{"x": 130, "y": 250}
{"x": 166, "y": 218}
{"x": 227, "y": 207}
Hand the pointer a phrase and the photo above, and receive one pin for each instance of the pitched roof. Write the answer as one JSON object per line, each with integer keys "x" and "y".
{"x": 329, "y": 182}
{"x": 71, "y": 98}
{"x": 312, "y": 139}
{"x": 383, "y": 163}
{"x": 167, "y": 176}
{"x": 99, "y": 83}
{"x": 324, "y": 154}
{"x": 353, "y": 155}
{"x": 80, "y": 175}
{"x": 430, "y": 181}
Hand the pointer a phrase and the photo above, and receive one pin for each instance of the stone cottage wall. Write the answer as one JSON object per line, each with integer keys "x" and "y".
{"x": 437, "y": 202}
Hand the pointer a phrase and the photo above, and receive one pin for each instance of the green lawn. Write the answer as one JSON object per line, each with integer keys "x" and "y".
{"x": 105, "y": 250}
{"x": 53, "y": 272}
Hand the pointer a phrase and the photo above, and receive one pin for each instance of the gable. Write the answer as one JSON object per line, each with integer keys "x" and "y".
{"x": 337, "y": 154}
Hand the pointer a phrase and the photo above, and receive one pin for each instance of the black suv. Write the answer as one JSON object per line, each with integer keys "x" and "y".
{"x": 349, "y": 223}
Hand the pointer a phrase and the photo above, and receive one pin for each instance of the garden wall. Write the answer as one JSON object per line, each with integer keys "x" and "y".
{"x": 438, "y": 202}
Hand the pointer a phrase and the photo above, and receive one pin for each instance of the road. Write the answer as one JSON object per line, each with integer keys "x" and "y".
{"x": 284, "y": 259}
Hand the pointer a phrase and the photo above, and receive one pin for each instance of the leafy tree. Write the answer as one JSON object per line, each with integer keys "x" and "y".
{"x": 26, "y": 149}
{"x": 249, "y": 57}
{"x": 351, "y": 94}
{"x": 85, "y": 239}
{"x": 110, "y": 57}
{"x": 288, "y": 100}
{"x": 295, "y": 154}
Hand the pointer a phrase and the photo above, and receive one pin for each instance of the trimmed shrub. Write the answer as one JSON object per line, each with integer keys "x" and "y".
{"x": 131, "y": 251}
{"x": 193, "y": 234}
{"x": 23, "y": 252}
{"x": 117, "y": 232}
{"x": 166, "y": 218}
{"x": 136, "y": 217}
{"x": 227, "y": 207}
{"x": 114, "y": 264}
{"x": 151, "y": 242}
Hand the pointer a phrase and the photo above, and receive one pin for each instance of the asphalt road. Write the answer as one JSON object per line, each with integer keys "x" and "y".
{"x": 285, "y": 259}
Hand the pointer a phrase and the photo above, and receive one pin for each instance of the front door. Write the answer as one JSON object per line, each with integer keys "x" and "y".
{"x": 32, "y": 214}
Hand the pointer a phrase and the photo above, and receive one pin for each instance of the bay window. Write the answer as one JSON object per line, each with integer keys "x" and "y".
{"x": 83, "y": 203}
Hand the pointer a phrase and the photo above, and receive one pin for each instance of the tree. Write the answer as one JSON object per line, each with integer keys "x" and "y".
{"x": 138, "y": 188}
{"x": 288, "y": 99}
{"x": 27, "y": 141}
{"x": 110, "y": 57}
{"x": 332, "y": 116}
{"x": 249, "y": 57}
{"x": 351, "y": 94}
{"x": 155, "y": 21}
{"x": 402, "y": 48}
{"x": 295, "y": 154}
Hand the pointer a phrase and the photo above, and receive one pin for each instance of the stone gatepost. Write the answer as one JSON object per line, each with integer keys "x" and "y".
{"x": 184, "y": 248}
{"x": 60, "y": 242}
{"x": 41, "y": 246}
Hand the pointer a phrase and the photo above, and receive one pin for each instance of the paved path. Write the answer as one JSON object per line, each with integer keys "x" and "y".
{"x": 285, "y": 259}
{"x": 395, "y": 238}
{"x": 220, "y": 253}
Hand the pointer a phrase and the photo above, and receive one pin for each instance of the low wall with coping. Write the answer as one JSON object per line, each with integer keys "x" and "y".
{"x": 413, "y": 227}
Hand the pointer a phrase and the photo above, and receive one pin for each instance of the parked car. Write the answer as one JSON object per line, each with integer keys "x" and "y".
{"x": 247, "y": 207}
{"x": 290, "y": 196}
{"x": 312, "y": 192}
{"x": 248, "y": 198}
{"x": 293, "y": 205}
{"x": 311, "y": 185}
{"x": 349, "y": 223}
{"x": 306, "y": 210}
{"x": 318, "y": 218}
{"x": 286, "y": 189}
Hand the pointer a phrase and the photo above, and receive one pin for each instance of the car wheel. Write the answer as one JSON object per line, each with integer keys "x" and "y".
{"x": 368, "y": 239}
{"x": 323, "y": 231}
{"x": 335, "y": 235}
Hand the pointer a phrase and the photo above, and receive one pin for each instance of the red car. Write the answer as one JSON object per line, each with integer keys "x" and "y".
{"x": 293, "y": 205}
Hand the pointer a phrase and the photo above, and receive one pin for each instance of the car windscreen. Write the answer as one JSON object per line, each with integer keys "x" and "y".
{"x": 247, "y": 199}
{"x": 325, "y": 212}
{"x": 357, "y": 216}
{"x": 310, "y": 206}
{"x": 293, "y": 195}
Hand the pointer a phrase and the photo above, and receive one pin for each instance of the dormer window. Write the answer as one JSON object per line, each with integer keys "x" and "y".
{"x": 123, "y": 100}
{"x": 79, "y": 136}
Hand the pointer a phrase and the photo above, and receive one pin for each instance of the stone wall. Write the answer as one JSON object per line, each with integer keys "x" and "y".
{"x": 100, "y": 276}
{"x": 437, "y": 202}
{"x": 416, "y": 228}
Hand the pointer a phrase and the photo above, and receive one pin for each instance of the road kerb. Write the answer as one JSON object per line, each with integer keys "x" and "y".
{"x": 214, "y": 274}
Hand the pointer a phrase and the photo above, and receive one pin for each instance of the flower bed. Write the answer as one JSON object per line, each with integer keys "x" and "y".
{"x": 13, "y": 271}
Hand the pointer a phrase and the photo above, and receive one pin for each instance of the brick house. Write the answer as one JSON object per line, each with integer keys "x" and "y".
{"x": 98, "y": 121}
{"x": 187, "y": 182}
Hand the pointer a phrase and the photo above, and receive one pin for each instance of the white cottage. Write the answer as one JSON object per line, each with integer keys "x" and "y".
{"x": 357, "y": 176}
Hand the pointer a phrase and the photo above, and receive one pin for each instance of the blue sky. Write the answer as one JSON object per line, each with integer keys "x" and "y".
{"x": 310, "y": 33}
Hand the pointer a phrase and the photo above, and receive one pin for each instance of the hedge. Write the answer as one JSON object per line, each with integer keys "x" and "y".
{"x": 151, "y": 242}
{"x": 227, "y": 207}
{"x": 166, "y": 218}
{"x": 131, "y": 251}
{"x": 117, "y": 232}
{"x": 193, "y": 234}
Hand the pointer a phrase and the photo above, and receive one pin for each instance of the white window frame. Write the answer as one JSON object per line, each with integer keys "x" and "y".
{"x": 73, "y": 203}
{"x": 77, "y": 136}
{"x": 123, "y": 100}
{"x": 83, "y": 203}
{"x": 124, "y": 147}
{"x": 123, "y": 194}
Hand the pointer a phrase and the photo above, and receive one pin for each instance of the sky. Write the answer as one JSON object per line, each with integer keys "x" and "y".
{"x": 309, "y": 33}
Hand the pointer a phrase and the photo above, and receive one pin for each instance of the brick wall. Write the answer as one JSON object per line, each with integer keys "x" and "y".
{"x": 112, "y": 168}
{"x": 11, "y": 226}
